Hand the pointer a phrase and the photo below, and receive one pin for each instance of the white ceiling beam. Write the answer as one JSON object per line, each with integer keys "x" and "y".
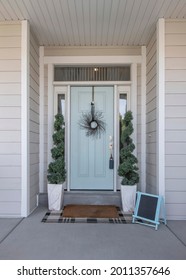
{"x": 93, "y": 60}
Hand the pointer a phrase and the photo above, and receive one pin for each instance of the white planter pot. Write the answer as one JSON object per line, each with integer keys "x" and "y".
{"x": 128, "y": 198}
{"x": 55, "y": 196}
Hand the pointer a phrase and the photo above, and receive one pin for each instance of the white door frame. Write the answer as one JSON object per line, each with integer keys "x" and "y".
{"x": 50, "y": 61}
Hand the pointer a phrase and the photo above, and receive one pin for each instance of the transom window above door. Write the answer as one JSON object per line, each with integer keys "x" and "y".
{"x": 91, "y": 73}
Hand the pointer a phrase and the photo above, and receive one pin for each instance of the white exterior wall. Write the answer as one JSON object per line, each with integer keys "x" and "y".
{"x": 175, "y": 119}
{"x": 151, "y": 170}
{"x": 10, "y": 119}
{"x": 34, "y": 121}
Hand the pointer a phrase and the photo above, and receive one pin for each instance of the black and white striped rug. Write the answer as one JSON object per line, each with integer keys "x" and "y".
{"x": 57, "y": 217}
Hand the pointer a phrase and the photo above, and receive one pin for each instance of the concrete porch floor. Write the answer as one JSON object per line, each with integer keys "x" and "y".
{"x": 30, "y": 239}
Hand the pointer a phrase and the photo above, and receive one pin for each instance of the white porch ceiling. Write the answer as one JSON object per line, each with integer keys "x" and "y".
{"x": 92, "y": 22}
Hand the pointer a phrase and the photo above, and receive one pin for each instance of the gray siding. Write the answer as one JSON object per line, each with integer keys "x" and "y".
{"x": 10, "y": 119}
{"x": 34, "y": 122}
{"x": 175, "y": 119}
{"x": 151, "y": 171}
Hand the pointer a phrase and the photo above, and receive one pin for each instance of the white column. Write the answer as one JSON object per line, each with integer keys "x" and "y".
{"x": 41, "y": 115}
{"x": 160, "y": 107}
{"x": 25, "y": 168}
{"x": 143, "y": 119}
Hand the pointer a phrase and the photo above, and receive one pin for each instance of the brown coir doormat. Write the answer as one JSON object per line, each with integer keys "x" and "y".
{"x": 90, "y": 211}
{"x": 58, "y": 216}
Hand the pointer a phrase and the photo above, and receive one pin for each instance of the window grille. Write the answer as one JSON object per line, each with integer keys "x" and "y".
{"x": 89, "y": 73}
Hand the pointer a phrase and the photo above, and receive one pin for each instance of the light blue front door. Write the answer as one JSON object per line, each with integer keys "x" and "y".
{"x": 89, "y": 156}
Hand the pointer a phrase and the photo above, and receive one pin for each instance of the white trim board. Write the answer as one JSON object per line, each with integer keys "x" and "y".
{"x": 160, "y": 93}
{"x": 86, "y": 60}
{"x": 89, "y": 60}
{"x": 41, "y": 115}
{"x": 25, "y": 170}
{"x": 50, "y": 109}
{"x": 143, "y": 119}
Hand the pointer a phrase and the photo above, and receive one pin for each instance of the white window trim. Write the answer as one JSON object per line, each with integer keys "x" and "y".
{"x": 64, "y": 90}
{"x": 50, "y": 109}
{"x": 119, "y": 90}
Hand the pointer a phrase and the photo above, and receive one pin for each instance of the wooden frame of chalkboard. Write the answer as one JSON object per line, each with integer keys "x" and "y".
{"x": 147, "y": 210}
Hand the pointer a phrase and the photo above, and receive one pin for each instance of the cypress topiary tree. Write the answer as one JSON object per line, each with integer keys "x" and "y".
{"x": 128, "y": 167}
{"x": 56, "y": 169}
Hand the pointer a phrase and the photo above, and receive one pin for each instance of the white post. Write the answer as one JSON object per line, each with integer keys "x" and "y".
{"x": 25, "y": 170}
{"x": 160, "y": 106}
{"x": 41, "y": 112}
{"x": 143, "y": 119}
{"x": 116, "y": 136}
{"x": 68, "y": 139}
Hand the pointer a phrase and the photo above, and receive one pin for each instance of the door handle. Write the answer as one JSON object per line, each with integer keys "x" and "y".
{"x": 111, "y": 160}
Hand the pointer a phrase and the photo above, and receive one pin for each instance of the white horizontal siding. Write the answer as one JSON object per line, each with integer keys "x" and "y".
{"x": 10, "y": 100}
{"x": 173, "y": 183}
{"x": 175, "y": 63}
{"x": 171, "y": 136}
{"x": 175, "y": 76}
{"x": 10, "y": 171}
{"x": 10, "y": 112}
{"x": 10, "y": 53}
{"x": 7, "y": 196}
{"x": 175, "y": 88}
{"x": 175, "y": 119}
{"x": 13, "y": 64}
{"x": 175, "y": 160}
{"x": 179, "y": 111}
{"x": 34, "y": 122}
{"x": 10, "y": 30}
{"x": 177, "y": 124}
{"x": 179, "y": 51}
{"x": 151, "y": 117}
{"x": 10, "y": 208}
{"x": 10, "y": 119}
{"x": 7, "y": 136}
{"x": 10, "y": 184}
{"x": 178, "y": 39}
{"x": 10, "y": 77}
{"x": 10, "y": 160}
{"x": 175, "y": 211}
{"x": 10, "y": 42}
{"x": 10, "y": 89}
{"x": 176, "y": 99}
{"x": 10, "y": 124}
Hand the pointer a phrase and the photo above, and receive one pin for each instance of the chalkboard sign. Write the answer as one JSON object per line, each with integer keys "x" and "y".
{"x": 147, "y": 209}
